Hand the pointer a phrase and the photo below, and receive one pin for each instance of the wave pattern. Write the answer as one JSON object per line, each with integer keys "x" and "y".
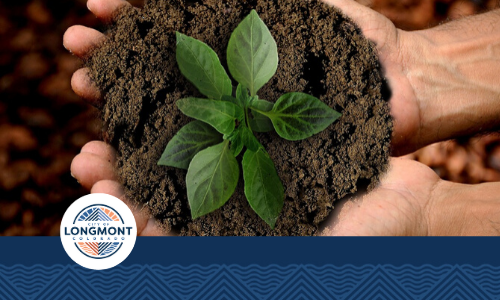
{"x": 251, "y": 282}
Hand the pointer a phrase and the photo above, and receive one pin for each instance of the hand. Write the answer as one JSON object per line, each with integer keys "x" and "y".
{"x": 411, "y": 199}
{"x": 395, "y": 48}
{"x": 94, "y": 166}
{"x": 443, "y": 79}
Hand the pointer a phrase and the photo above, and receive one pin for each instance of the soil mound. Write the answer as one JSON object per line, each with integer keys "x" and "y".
{"x": 321, "y": 52}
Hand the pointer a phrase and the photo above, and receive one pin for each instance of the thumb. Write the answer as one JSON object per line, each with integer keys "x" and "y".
{"x": 374, "y": 26}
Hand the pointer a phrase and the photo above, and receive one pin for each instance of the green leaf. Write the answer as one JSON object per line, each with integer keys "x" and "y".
{"x": 259, "y": 122}
{"x": 252, "y": 54}
{"x": 263, "y": 188}
{"x": 188, "y": 141}
{"x": 236, "y": 146}
{"x": 236, "y": 141}
{"x": 242, "y": 95}
{"x": 243, "y": 136}
{"x": 211, "y": 179}
{"x": 297, "y": 116}
{"x": 222, "y": 115}
{"x": 249, "y": 140}
{"x": 200, "y": 65}
{"x": 232, "y": 100}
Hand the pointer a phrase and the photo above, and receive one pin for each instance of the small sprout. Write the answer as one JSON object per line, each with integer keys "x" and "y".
{"x": 226, "y": 123}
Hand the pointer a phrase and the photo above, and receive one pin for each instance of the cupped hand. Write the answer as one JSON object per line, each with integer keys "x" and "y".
{"x": 411, "y": 199}
{"x": 396, "y": 49}
{"x": 94, "y": 170}
{"x": 94, "y": 166}
{"x": 79, "y": 40}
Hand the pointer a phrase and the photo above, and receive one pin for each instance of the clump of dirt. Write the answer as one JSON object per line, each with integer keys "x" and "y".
{"x": 321, "y": 52}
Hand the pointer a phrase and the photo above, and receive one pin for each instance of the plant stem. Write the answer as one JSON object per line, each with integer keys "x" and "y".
{"x": 260, "y": 112}
{"x": 247, "y": 120}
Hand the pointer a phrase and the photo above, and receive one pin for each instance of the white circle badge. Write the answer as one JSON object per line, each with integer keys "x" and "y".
{"x": 98, "y": 231}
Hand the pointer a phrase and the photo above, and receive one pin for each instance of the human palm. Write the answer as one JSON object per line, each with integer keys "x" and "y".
{"x": 396, "y": 207}
{"x": 410, "y": 200}
{"x": 395, "y": 49}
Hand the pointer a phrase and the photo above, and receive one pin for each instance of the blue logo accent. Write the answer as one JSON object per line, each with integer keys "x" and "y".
{"x": 94, "y": 214}
{"x": 87, "y": 213}
{"x": 98, "y": 213}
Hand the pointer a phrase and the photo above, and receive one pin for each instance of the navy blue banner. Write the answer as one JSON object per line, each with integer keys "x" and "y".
{"x": 259, "y": 268}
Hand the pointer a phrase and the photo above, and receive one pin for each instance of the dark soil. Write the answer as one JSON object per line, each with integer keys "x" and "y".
{"x": 321, "y": 52}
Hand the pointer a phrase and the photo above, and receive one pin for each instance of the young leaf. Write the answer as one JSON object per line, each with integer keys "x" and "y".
{"x": 200, "y": 65}
{"x": 259, "y": 122}
{"x": 211, "y": 179}
{"x": 236, "y": 141}
{"x": 248, "y": 139}
{"x": 263, "y": 187}
{"x": 297, "y": 116}
{"x": 236, "y": 146}
{"x": 242, "y": 136}
{"x": 220, "y": 114}
{"x": 252, "y": 54}
{"x": 188, "y": 141}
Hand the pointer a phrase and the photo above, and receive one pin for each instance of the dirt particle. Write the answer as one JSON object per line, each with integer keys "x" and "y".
{"x": 320, "y": 51}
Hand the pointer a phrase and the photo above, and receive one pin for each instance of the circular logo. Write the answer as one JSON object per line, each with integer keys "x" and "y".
{"x": 98, "y": 231}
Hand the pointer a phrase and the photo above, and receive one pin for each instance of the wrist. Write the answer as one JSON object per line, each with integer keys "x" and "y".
{"x": 411, "y": 98}
{"x": 466, "y": 210}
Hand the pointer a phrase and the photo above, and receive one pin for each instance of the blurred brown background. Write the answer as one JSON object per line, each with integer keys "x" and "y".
{"x": 43, "y": 124}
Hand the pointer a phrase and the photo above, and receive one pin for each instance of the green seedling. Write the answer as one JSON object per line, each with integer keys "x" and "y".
{"x": 208, "y": 148}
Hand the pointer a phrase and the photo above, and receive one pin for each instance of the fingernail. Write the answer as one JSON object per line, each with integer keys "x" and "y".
{"x": 88, "y": 6}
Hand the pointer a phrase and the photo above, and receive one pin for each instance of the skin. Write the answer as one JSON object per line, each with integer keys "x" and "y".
{"x": 444, "y": 85}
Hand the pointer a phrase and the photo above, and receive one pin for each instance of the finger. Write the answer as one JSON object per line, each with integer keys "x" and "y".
{"x": 90, "y": 168}
{"x": 113, "y": 188}
{"x": 398, "y": 168}
{"x": 84, "y": 87}
{"x": 79, "y": 40}
{"x": 100, "y": 149}
{"x": 105, "y": 9}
